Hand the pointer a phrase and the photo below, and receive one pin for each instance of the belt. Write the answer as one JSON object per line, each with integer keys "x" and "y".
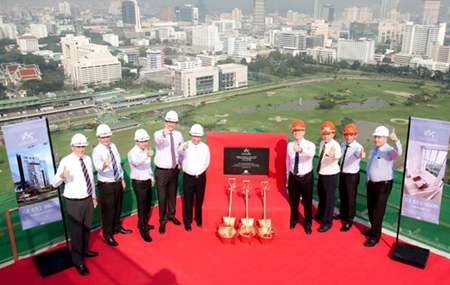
{"x": 380, "y": 182}
{"x": 141, "y": 181}
{"x": 165, "y": 168}
{"x": 345, "y": 173}
{"x": 194, "y": 176}
{"x": 115, "y": 182}
{"x": 78, "y": 199}
{"x": 300, "y": 175}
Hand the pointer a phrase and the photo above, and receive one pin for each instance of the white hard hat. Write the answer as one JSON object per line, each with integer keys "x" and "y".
{"x": 381, "y": 131}
{"x": 79, "y": 140}
{"x": 103, "y": 131}
{"x": 171, "y": 116}
{"x": 196, "y": 130}
{"x": 141, "y": 135}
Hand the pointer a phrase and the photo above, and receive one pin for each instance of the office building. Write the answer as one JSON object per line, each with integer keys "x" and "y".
{"x": 131, "y": 15}
{"x": 318, "y": 6}
{"x": 206, "y": 37}
{"x": 259, "y": 14}
{"x": 361, "y": 50}
{"x": 429, "y": 12}
{"x": 387, "y": 6}
{"x": 187, "y": 13}
{"x": 417, "y": 38}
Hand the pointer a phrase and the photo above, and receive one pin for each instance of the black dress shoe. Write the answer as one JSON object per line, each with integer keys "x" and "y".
{"x": 175, "y": 221}
{"x": 337, "y": 217}
{"x": 111, "y": 241}
{"x": 370, "y": 243}
{"x": 151, "y": 227}
{"x": 187, "y": 228}
{"x": 147, "y": 237}
{"x": 199, "y": 223}
{"x": 346, "y": 227}
{"x": 162, "y": 229}
{"x": 293, "y": 224}
{"x": 82, "y": 270}
{"x": 323, "y": 229}
{"x": 91, "y": 253}
{"x": 308, "y": 230}
{"x": 367, "y": 232}
{"x": 124, "y": 231}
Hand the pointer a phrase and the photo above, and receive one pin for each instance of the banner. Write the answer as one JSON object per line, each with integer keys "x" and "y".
{"x": 32, "y": 168}
{"x": 426, "y": 159}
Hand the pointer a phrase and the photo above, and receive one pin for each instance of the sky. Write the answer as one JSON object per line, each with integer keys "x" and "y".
{"x": 303, "y": 6}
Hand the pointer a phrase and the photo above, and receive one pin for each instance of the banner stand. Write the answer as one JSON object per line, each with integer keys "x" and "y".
{"x": 406, "y": 253}
{"x": 60, "y": 259}
{"x": 410, "y": 254}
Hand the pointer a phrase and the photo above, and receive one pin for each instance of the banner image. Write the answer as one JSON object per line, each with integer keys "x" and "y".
{"x": 426, "y": 159}
{"x": 32, "y": 169}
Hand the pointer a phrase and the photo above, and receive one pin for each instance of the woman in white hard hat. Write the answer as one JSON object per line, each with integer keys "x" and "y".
{"x": 141, "y": 174}
{"x": 379, "y": 176}
{"x": 167, "y": 169}
{"x": 75, "y": 170}
{"x": 195, "y": 160}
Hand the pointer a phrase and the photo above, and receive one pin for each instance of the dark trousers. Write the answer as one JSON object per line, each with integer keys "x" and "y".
{"x": 348, "y": 189}
{"x": 377, "y": 196}
{"x": 111, "y": 196}
{"x": 194, "y": 189}
{"x": 326, "y": 187}
{"x": 301, "y": 187}
{"x": 166, "y": 186}
{"x": 79, "y": 214}
{"x": 143, "y": 191}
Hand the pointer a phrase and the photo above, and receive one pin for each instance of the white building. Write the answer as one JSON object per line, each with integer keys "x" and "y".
{"x": 322, "y": 55}
{"x": 205, "y": 37}
{"x": 112, "y": 39}
{"x": 318, "y": 9}
{"x": 356, "y": 14}
{"x": 39, "y": 30}
{"x": 439, "y": 53}
{"x": 205, "y": 80}
{"x": 188, "y": 63}
{"x": 64, "y": 8}
{"x": 87, "y": 63}
{"x": 429, "y": 12}
{"x": 154, "y": 59}
{"x": 429, "y": 64}
{"x": 293, "y": 39}
{"x": 361, "y": 50}
{"x": 234, "y": 45}
{"x": 417, "y": 38}
{"x": 27, "y": 43}
{"x": 319, "y": 27}
{"x": 8, "y": 31}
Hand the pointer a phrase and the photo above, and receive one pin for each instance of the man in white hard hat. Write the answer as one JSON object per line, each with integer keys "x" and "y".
{"x": 141, "y": 174}
{"x": 379, "y": 176}
{"x": 167, "y": 169}
{"x": 75, "y": 170}
{"x": 110, "y": 184}
{"x": 195, "y": 160}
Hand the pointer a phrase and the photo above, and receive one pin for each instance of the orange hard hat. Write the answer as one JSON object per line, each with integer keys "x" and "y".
{"x": 350, "y": 129}
{"x": 298, "y": 125}
{"x": 327, "y": 127}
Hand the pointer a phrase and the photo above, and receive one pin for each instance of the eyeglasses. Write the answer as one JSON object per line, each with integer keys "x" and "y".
{"x": 80, "y": 146}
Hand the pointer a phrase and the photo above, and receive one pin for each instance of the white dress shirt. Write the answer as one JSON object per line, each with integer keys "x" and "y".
{"x": 305, "y": 157}
{"x": 140, "y": 164}
{"x": 195, "y": 159}
{"x": 163, "y": 156}
{"x": 352, "y": 157}
{"x": 329, "y": 165}
{"x": 99, "y": 155}
{"x": 75, "y": 185}
{"x": 382, "y": 168}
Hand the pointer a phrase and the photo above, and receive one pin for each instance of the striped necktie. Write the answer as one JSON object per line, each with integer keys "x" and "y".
{"x": 114, "y": 164}
{"x": 86, "y": 177}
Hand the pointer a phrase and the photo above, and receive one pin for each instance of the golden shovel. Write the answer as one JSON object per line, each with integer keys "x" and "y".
{"x": 230, "y": 221}
{"x": 246, "y": 222}
{"x": 265, "y": 223}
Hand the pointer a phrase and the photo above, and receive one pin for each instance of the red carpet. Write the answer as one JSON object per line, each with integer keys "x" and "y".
{"x": 198, "y": 257}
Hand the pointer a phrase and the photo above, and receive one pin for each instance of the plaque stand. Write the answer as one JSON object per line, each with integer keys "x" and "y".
{"x": 410, "y": 254}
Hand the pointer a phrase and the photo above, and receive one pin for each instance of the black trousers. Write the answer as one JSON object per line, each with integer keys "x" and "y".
{"x": 194, "y": 190}
{"x": 301, "y": 187}
{"x": 377, "y": 196}
{"x": 143, "y": 191}
{"x": 326, "y": 187}
{"x": 166, "y": 186}
{"x": 348, "y": 189}
{"x": 79, "y": 214}
{"x": 111, "y": 197}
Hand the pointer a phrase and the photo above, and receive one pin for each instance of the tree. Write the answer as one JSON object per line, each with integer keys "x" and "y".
{"x": 355, "y": 65}
{"x": 343, "y": 64}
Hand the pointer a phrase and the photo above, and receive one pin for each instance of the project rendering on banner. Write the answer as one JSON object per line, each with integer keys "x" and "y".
{"x": 426, "y": 158}
{"x": 32, "y": 168}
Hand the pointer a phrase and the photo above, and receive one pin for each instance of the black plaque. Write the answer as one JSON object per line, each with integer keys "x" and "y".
{"x": 246, "y": 161}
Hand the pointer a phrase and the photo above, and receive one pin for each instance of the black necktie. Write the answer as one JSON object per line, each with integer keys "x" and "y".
{"x": 172, "y": 151}
{"x": 297, "y": 160}
{"x": 86, "y": 177}
{"x": 343, "y": 157}
{"x": 320, "y": 158}
{"x": 114, "y": 165}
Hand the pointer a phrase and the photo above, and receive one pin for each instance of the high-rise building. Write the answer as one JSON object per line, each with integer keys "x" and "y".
{"x": 417, "y": 38}
{"x": 187, "y": 13}
{"x": 38, "y": 30}
{"x": 206, "y": 37}
{"x": 430, "y": 12}
{"x": 318, "y": 6}
{"x": 64, "y": 8}
{"x": 387, "y": 6}
{"x": 355, "y": 50}
{"x": 201, "y": 11}
{"x": 259, "y": 14}
{"x": 166, "y": 14}
{"x": 131, "y": 16}
{"x": 328, "y": 13}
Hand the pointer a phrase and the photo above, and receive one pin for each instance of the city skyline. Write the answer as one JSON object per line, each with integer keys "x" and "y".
{"x": 306, "y": 7}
